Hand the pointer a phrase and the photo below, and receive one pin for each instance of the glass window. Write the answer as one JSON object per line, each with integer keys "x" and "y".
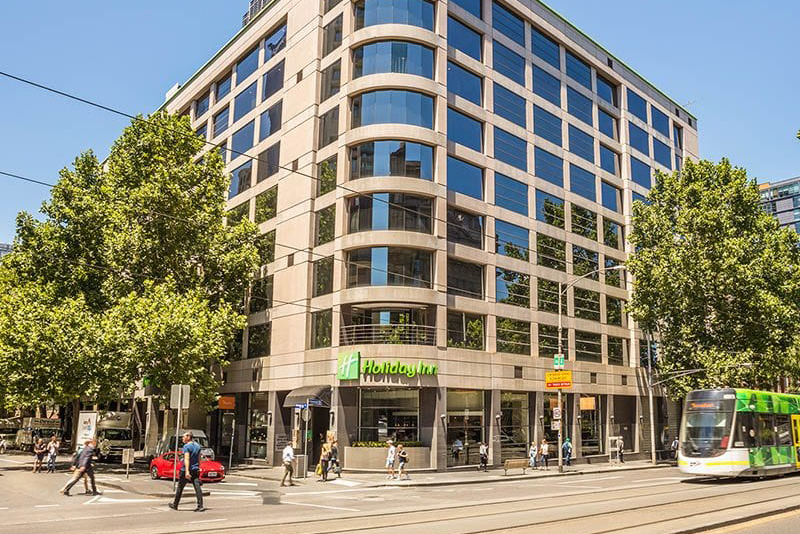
{"x": 269, "y": 162}
{"x": 607, "y": 91}
{"x": 329, "y": 127}
{"x": 640, "y": 173}
{"x": 463, "y": 83}
{"x": 393, "y": 56}
{"x": 392, "y": 266}
{"x": 202, "y": 131}
{"x": 393, "y": 106}
{"x": 238, "y": 213}
{"x": 471, "y": 6}
{"x": 579, "y": 106}
{"x": 548, "y": 340}
{"x": 613, "y": 277}
{"x": 549, "y": 167}
{"x": 582, "y": 182}
{"x": 244, "y": 138}
{"x": 612, "y": 233}
{"x": 551, "y": 252}
{"x": 614, "y": 313}
{"x": 389, "y": 414}
{"x": 584, "y": 222}
{"x": 546, "y": 125}
{"x": 546, "y": 85}
{"x": 464, "y": 130}
{"x": 463, "y": 38}
{"x": 266, "y": 247}
{"x": 508, "y": 23}
{"x": 587, "y": 304}
{"x": 588, "y": 347}
{"x": 245, "y": 102}
{"x": 639, "y": 139}
{"x": 321, "y": 328}
{"x": 259, "y": 340}
{"x": 611, "y": 197}
{"x": 637, "y": 105}
{"x": 273, "y": 81}
{"x": 330, "y": 4}
{"x": 581, "y": 144}
{"x": 247, "y": 65}
{"x": 331, "y": 80}
{"x": 609, "y": 160}
{"x": 513, "y": 288}
{"x": 326, "y": 225}
{"x": 509, "y": 105}
{"x": 266, "y": 204}
{"x": 547, "y": 296}
{"x": 464, "y": 228}
{"x": 660, "y": 121}
{"x": 510, "y": 194}
{"x": 508, "y": 63}
{"x": 677, "y": 137}
{"x": 584, "y": 261}
{"x": 390, "y": 211}
{"x": 545, "y": 48}
{"x": 261, "y": 294}
{"x": 270, "y": 121}
{"x": 464, "y": 330}
{"x": 549, "y": 209}
{"x": 223, "y": 87}
{"x": 511, "y": 240}
{"x": 326, "y": 175}
{"x": 514, "y": 337}
{"x": 323, "y": 276}
{"x": 332, "y": 36}
{"x": 201, "y": 106}
{"x": 616, "y": 351}
{"x": 662, "y": 153}
{"x": 274, "y": 43}
{"x": 579, "y": 71}
{"x": 411, "y": 12}
{"x": 510, "y": 149}
{"x": 391, "y": 158}
{"x": 464, "y": 279}
{"x": 222, "y": 121}
{"x": 607, "y": 124}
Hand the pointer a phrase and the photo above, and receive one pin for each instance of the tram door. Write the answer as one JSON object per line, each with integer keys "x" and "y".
{"x": 796, "y": 437}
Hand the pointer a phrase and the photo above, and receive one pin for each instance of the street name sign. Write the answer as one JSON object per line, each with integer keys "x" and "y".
{"x": 558, "y": 379}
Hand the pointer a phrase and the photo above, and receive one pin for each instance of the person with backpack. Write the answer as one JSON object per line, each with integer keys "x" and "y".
{"x": 402, "y": 458}
{"x": 333, "y": 463}
{"x": 566, "y": 450}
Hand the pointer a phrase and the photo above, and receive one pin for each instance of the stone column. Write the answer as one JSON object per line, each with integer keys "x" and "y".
{"x": 439, "y": 441}
{"x": 494, "y": 428}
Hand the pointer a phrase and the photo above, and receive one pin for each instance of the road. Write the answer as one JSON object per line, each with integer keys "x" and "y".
{"x": 634, "y": 502}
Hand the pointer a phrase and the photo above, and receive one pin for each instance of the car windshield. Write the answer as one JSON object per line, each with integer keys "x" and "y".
{"x": 117, "y": 434}
{"x": 706, "y": 433}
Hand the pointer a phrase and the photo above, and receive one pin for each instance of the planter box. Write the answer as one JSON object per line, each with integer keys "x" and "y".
{"x": 375, "y": 458}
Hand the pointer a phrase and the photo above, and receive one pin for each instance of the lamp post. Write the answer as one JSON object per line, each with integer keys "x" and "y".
{"x": 562, "y": 289}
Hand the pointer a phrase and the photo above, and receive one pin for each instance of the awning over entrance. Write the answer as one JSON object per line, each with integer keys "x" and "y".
{"x": 318, "y": 395}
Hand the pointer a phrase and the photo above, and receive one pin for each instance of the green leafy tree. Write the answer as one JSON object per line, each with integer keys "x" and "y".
{"x": 716, "y": 279}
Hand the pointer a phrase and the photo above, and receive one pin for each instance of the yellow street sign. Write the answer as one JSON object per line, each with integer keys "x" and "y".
{"x": 558, "y": 379}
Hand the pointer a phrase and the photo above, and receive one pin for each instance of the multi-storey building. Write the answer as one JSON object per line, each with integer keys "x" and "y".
{"x": 424, "y": 174}
{"x": 4, "y": 249}
{"x": 782, "y": 201}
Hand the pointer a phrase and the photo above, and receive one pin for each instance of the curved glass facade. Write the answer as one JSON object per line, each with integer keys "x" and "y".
{"x": 412, "y": 12}
{"x": 389, "y": 266}
{"x": 393, "y": 106}
{"x": 393, "y": 56}
{"x": 391, "y": 158}
{"x": 390, "y": 211}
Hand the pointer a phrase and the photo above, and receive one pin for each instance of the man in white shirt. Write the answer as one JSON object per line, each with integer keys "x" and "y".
{"x": 390, "y": 458}
{"x": 288, "y": 458}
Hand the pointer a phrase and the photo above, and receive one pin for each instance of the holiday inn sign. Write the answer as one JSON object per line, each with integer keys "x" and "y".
{"x": 350, "y": 367}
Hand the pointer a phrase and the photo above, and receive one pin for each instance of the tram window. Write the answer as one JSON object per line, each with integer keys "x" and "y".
{"x": 765, "y": 430}
{"x": 783, "y": 426}
{"x": 745, "y": 430}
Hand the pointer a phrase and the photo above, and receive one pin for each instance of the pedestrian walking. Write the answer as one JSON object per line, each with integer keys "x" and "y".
{"x": 566, "y": 451}
{"x": 334, "y": 461}
{"x": 190, "y": 472}
{"x": 674, "y": 448}
{"x": 83, "y": 468}
{"x": 324, "y": 462}
{"x": 544, "y": 451}
{"x": 52, "y": 453}
{"x": 288, "y": 470}
{"x": 532, "y": 452}
{"x": 390, "y": 456}
{"x": 39, "y": 452}
{"x": 402, "y": 461}
{"x": 483, "y": 452}
{"x": 620, "y": 449}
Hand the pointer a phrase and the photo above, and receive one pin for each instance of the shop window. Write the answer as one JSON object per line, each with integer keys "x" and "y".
{"x": 389, "y": 414}
{"x": 515, "y": 431}
{"x": 551, "y": 402}
{"x": 465, "y": 430}
{"x": 259, "y": 426}
{"x": 592, "y": 422}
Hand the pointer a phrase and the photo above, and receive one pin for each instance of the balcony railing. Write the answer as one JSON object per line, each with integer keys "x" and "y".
{"x": 388, "y": 334}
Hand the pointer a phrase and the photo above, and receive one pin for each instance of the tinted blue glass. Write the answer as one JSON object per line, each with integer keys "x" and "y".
{"x": 582, "y": 182}
{"x": 546, "y": 125}
{"x": 274, "y": 43}
{"x": 639, "y": 139}
{"x": 606, "y": 90}
{"x": 472, "y": 6}
{"x": 677, "y": 137}
{"x": 549, "y": 209}
{"x": 608, "y": 159}
{"x": 579, "y": 71}
{"x": 412, "y": 12}
{"x": 549, "y": 167}
{"x": 546, "y": 85}
{"x": 510, "y": 149}
{"x": 240, "y": 179}
{"x": 511, "y": 240}
{"x": 462, "y": 38}
{"x": 508, "y": 63}
{"x": 637, "y": 105}
{"x": 393, "y": 56}
{"x": 464, "y": 178}
{"x": 640, "y": 173}
{"x": 545, "y": 48}
{"x": 223, "y": 87}
{"x": 245, "y": 102}
{"x": 393, "y": 106}
{"x": 579, "y": 106}
{"x": 463, "y": 83}
{"x": 272, "y": 81}
{"x": 581, "y": 144}
{"x": 244, "y": 138}
{"x": 640, "y": 198}
{"x": 391, "y": 158}
{"x": 201, "y": 107}
{"x": 247, "y": 65}
{"x": 270, "y": 121}
{"x": 508, "y": 23}
{"x": 510, "y": 194}
{"x": 662, "y": 153}
{"x": 509, "y": 105}
{"x": 607, "y": 124}
{"x": 611, "y": 196}
{"x": 660, "y": 121}
{"x": 222, "y": 121}
{"x": 464, "y": 130}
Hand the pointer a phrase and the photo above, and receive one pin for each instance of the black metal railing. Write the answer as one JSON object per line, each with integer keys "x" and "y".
{"x": 388, "y": 334}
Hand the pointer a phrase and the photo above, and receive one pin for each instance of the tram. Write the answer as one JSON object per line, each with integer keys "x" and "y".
{"x": 739, "y": 433}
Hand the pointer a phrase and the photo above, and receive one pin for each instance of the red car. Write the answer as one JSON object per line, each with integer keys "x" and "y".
{"x": 163, "y": 467}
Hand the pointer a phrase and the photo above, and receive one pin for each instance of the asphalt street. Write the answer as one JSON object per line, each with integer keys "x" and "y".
{"x": 640, "y": 502}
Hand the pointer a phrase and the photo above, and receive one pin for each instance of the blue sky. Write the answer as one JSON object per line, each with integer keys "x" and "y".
{"x": 734, "y": 60}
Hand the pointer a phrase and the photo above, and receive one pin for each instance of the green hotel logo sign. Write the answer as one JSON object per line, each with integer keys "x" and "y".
{"x": 350, "y": 367}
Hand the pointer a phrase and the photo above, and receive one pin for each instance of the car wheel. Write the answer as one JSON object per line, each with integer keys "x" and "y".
{"x": 154, "y": 473}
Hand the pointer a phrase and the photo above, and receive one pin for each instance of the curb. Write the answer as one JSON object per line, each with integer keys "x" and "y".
{"x": 738, "y": 520}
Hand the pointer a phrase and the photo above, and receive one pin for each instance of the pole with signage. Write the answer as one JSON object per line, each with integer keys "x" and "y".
{"x": 178, "y": 400}
{"x": 228, "y": 402}
{"x": 560, "y": 353}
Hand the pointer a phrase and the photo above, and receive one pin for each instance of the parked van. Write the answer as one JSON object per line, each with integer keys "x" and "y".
{"x": 114, "y": 435}
{"x": 34, "y": 428}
